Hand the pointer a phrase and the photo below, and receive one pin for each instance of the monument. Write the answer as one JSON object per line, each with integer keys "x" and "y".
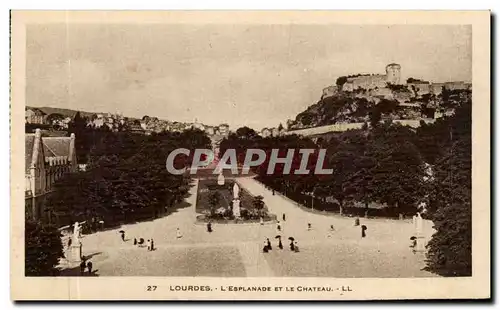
{"x": 417, "y": 223}
{"x": 220, "y": 179}
{"x": 236, "y": 200}
{"x": 75, "y": 250}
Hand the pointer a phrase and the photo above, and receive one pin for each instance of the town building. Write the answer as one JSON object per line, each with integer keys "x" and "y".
{"x": 34, "y": 116}
{"x": 265, "y": 132}
{"x": 224, "y": 129}
{"x": 47, "y": 159}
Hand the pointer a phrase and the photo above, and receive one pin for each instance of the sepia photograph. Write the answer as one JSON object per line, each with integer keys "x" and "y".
{"x": 230, "y": 158}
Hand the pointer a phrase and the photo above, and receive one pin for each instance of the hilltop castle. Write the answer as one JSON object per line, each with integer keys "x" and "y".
{"x": 392, "y": 76}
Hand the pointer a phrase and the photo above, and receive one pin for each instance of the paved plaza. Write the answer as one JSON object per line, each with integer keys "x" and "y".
{"x": 235, "y": 250}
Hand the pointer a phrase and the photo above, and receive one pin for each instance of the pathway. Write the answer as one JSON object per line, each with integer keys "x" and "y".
{"x": 236, "y": 249}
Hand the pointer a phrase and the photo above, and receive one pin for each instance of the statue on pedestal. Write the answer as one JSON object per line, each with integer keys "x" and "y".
{"x": 220, "y": 179}
{"x": 418, "y": 222}
{"x": 236, "y": 191}
{"x": 236, "y": 200}
{"x": 75, "y": 249}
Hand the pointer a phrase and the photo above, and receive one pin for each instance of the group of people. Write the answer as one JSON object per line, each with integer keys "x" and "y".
{"x": 150, "y": 243}
{"x": 363, "y": 227}
{"x": 268, "y": 247}
{"x": 84, "y": 264}
{"x": 141, "y": 242}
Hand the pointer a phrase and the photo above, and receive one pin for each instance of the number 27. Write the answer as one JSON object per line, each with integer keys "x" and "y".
{"x": 151, "y": 288}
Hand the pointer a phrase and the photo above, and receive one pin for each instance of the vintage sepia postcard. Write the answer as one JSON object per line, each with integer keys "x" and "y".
{"x": 290, "y": 155}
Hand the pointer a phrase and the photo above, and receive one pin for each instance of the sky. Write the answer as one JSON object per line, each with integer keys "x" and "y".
{"x": 243, "y": 75}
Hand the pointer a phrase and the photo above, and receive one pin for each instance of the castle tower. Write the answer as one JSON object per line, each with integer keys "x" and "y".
{"x": 393, "y": 73}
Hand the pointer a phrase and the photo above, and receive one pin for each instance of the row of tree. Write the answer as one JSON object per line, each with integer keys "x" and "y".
{"x": 390, "y": 164}
{"x": 126, "y": 180}
{"x": 379, "y": 165}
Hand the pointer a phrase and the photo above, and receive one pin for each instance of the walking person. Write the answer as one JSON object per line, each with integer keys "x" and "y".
{"x": 261, "y": 220}
{"x": 265, "y": 249}
{"x": 296, "y": 247}
{"x": 363, "y": 231}
{"x": 89, "y": 267}
{"x": 209, "y": 227}
{"x": 152, "y": 245}
{"x": 178, "y": 233}
{"x": 278, "y": 226}
{"x": 280, "y": 244}
{"x": 122, "y": 233}
{"x": 83, "y": 264}
{"x": 413, "y": 244}
{"x": 135, "y": 241}
{"x": 309, "y": 226}
{"x": 269, "y": 244}
{"x": 330, "y": 232}
{"x": 284, "y": 217}
{"x": 292, "y": 246}
{"x": 149, "y": 245}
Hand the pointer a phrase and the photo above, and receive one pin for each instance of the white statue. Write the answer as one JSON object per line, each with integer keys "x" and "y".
{"x": 77, "y": 230}
{"x": 220, "y": 179}
{"x": 236, "y": 191}
{"x": 418, "y": 224}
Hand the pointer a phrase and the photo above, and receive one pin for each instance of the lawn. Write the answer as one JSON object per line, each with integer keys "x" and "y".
{"x": 206, "y": 186}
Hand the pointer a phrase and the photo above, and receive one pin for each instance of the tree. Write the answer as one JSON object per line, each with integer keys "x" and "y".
{"x": 54, "y": 117}
{"x": 280, "y": 127}
{"x": 341, "y": 80}
{"x": 375, "y": 116}
{"x": 450, "y": 249}
{"x": 43, "y": 249}
{"x": 126, "y": 180}
{"x": 213, "y": 201}
{"x": 246, "y": 133}
{"x": 258, "y": 203}
{"x": 83, "y": 142}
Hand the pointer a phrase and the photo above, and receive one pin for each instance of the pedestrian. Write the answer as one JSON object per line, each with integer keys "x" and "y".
{"x": 292, "y": 246}
{"x": 278, "y": 226}
{"x": 83, "y": 264}
{"x": 135, "y": 241}
{"x": 265, "y": 249}
{"x": 413, "y": 244}
{"x": 363, "y": 231}
{"x": 309, "y": 226}
{"x": 152, "y": 245}
{"x": 284, "y": 217}
{"x": 261, "y": 221}
{"x": 273, "y": 192}
{"x": 209, "y": 227}
{"x": 89, "y": 267}
{"x": 269, "y": 244}
{"x": 296, "y": 247}
{"x": 331, "y": 231}
{"x": 149, "y": 245}
{"x": 178, "y": 233}
{"x": 280, "y": 245}
{"x": 356, "y": 222}
{"x": 123, "y": 235}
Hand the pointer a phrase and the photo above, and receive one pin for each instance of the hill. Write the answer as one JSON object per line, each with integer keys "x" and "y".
{"x": 362, "y": 105}
{"x": 63, "y": 112}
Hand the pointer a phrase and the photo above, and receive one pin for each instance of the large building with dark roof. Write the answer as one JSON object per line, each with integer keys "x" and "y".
{"x": 47, "y": 159}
